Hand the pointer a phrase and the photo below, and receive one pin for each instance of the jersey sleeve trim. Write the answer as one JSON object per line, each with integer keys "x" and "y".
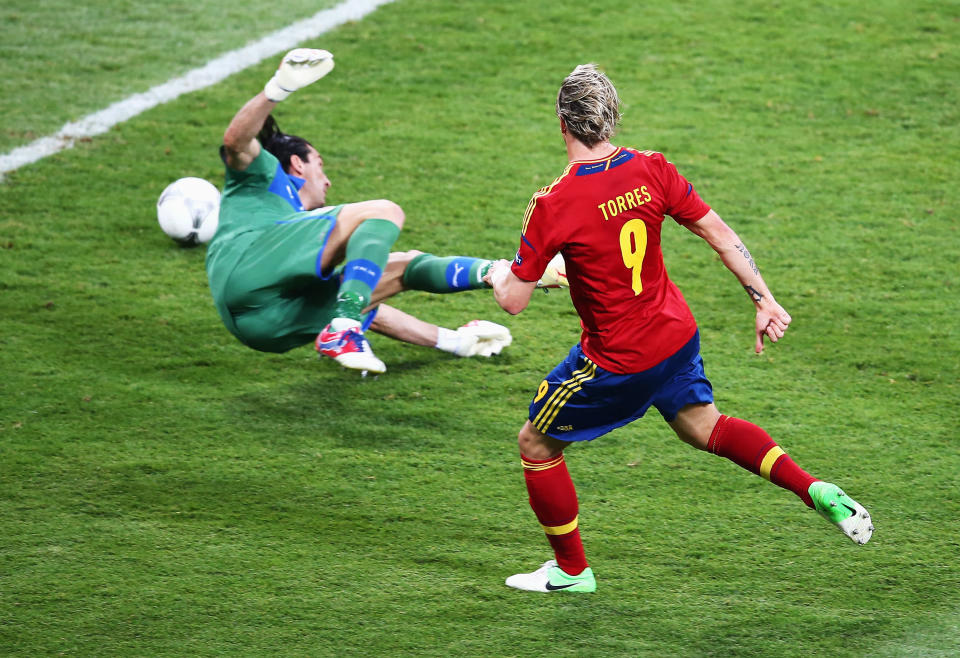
{"x": 694, "y": 221}
{"x": 542, "y": 193}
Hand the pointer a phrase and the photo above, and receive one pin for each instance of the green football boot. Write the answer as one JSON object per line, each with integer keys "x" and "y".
{"x": 841, "y": 510}
{"x": 551, "y": 578}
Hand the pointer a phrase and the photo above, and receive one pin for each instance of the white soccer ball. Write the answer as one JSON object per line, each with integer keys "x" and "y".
{"x": 189, "y": 209}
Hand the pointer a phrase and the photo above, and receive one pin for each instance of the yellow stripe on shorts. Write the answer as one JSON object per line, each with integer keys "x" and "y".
{"x": 562, "y": 529}
{"x": 769, "y": 460}
{"x": 563, "y": 393}
{"x": 560, "y": 392}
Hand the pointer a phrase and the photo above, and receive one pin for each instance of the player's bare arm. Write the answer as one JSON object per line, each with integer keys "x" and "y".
{"x": 240, "y": 139}
{"x": 510, "y": 291}
{"x": 298, "y": 68}
{"x": 398, "y": 325}
{"x": 772, "y": 320}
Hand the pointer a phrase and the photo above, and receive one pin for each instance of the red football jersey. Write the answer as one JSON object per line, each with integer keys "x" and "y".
{"x": 604, "y": 216}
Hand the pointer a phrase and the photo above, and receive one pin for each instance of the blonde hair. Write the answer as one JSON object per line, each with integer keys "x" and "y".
{"x": 588, "y": 103}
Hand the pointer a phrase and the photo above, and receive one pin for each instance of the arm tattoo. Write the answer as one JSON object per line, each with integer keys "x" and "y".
{"x": 754, "y": 295}
{"x": 746, "y": 254}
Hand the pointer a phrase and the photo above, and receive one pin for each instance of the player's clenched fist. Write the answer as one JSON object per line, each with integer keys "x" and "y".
{"x": 299, "y": 68}
{"x": 496, "y": 274}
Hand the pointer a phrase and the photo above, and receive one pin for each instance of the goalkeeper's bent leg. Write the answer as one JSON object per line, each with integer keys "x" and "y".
{"x": 445, "y": 274}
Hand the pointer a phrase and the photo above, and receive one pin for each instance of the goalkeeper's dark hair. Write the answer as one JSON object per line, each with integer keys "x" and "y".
{"x": 281, "y": 145}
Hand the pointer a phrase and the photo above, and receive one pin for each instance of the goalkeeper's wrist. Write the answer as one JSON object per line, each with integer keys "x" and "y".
{"x": 274, "y": 92}
{"x": 447, "y": 340}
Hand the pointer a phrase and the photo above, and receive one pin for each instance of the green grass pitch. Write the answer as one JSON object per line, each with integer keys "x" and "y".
{"x": 165, "y": 491}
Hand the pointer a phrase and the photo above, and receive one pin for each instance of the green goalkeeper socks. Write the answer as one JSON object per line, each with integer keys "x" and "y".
{"x": 441, "y": 275}
{"x": 367, "y": 252}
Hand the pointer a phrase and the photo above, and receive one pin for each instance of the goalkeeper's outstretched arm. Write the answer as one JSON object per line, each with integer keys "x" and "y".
{"x": 240, "y": 145}
{"x": 476, "y": 338}
{"x": 298, "y": 68}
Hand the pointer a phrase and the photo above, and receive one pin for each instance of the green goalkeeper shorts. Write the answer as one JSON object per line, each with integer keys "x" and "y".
{"x": 276, "y": 296}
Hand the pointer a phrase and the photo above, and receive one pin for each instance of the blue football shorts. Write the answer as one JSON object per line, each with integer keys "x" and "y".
{"x": 579, "y": 400}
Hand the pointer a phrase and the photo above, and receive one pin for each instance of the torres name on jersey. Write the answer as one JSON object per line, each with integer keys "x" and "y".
{"x": 605, "y": 217}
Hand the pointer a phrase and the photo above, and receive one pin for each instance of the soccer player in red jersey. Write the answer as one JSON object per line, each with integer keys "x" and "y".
{"x": 640, "y": 346}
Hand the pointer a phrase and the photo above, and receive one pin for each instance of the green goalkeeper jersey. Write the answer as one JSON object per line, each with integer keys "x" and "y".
{"x": 253, "y": 200}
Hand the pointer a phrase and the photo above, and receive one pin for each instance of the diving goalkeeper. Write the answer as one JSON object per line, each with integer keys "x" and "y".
{"x": 286, "y": 269}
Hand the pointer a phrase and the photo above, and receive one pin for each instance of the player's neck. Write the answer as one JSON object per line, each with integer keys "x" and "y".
{"x": 577, "y": 150}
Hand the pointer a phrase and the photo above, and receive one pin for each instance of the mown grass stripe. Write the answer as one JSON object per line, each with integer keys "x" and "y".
{"x": 200, "y": 78}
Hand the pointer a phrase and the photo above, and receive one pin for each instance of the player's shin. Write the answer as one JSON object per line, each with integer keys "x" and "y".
{"x": 445, "y": 274}
{"x": 367, "y": 252}
{"x": 750, "y": 447}
{"x": 553, "y": 499}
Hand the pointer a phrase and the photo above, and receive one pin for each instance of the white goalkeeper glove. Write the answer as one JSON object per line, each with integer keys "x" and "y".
{"x": 299, "y": 68}
{"x": 482, "y": 338}
{"x": 555, "y": 276}
{"x": 476, "y": 338}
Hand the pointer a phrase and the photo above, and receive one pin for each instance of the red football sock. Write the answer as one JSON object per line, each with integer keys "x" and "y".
{"x": 749, "y": 446}
{"x": 554, "y": 501}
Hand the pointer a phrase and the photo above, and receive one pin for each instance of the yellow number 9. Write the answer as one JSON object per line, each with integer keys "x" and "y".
{"x": 544, "y": 387}
{"x": 633, "y": 247}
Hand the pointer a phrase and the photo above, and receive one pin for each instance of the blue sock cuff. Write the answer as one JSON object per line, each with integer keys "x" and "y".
{"x": 365, "y": 271}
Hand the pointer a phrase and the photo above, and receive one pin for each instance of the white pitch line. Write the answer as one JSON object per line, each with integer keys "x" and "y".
{"x": 213, "y": 72}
